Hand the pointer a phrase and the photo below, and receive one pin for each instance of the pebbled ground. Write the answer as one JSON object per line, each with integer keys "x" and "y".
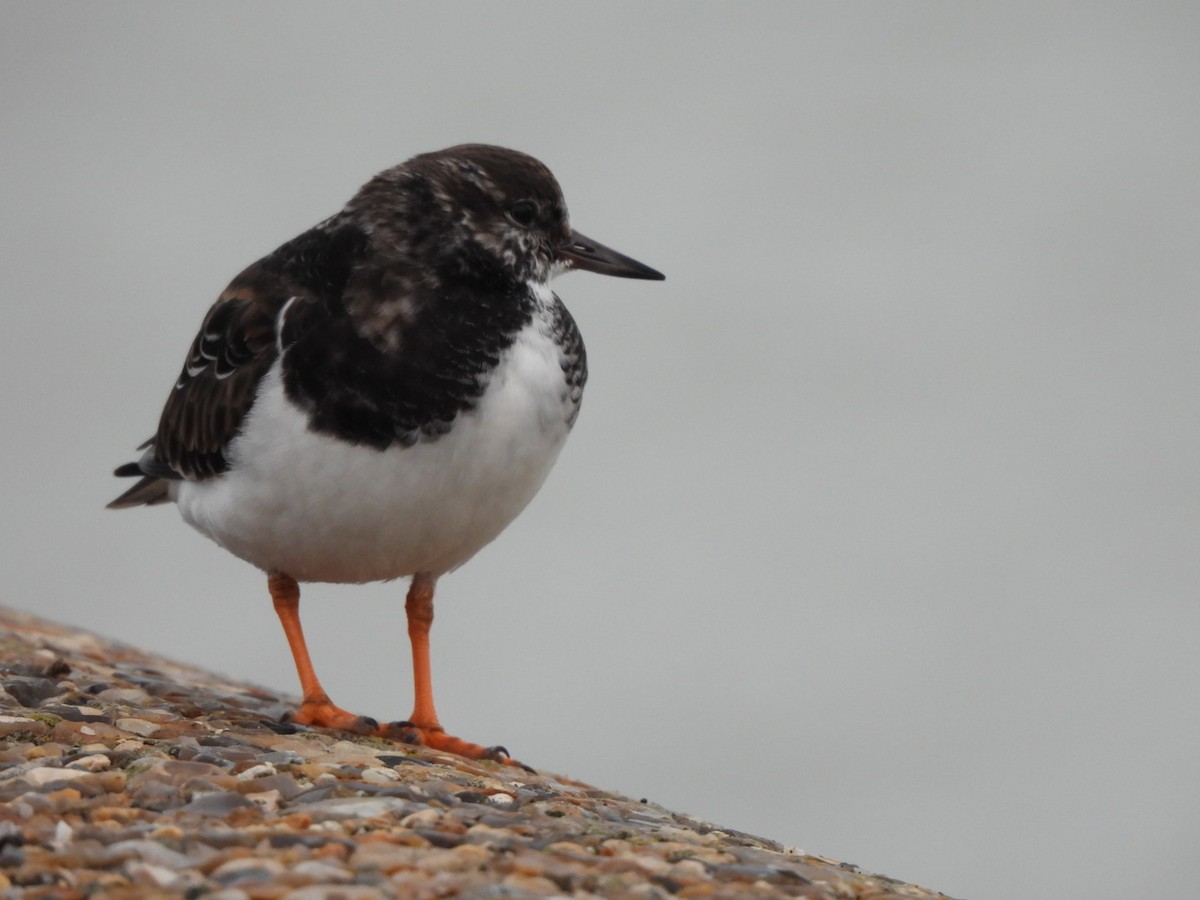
{"x": 124, "y": 774}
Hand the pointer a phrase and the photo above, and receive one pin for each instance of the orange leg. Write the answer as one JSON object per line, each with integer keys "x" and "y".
{"x": 423, "y": 726}
{"x": 418, "y": 607}
{"x": 315, "y": 707}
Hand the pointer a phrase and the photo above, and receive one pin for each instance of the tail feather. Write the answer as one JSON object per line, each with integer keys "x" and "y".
{"x": 147, "y": 492}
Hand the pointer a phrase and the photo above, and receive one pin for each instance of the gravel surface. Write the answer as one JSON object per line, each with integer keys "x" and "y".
{"x": 123, "y": 774}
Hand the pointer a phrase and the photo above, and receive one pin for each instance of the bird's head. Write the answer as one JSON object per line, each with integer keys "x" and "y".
{"x": 478, "y": 204}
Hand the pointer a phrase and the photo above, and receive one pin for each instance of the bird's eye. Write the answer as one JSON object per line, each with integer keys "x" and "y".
{"x": 523, "y": 212}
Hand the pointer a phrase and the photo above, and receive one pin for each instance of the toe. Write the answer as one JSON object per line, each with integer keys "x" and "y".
{"x": 404, "y": 732}
{"x": 437, "y": 739}
{"x": 326, "y": 715}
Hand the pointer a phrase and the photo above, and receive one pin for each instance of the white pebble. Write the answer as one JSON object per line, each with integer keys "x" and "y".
{"x": 149, "y": 875}
{"x": 258, "y": 771}
{"x": 44, "y": 775}
{"x": 63, "y": 835}
{"x": 380, "y": 776}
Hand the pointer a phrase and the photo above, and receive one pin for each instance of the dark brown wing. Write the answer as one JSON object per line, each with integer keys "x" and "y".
{"x": 235, "y": 347}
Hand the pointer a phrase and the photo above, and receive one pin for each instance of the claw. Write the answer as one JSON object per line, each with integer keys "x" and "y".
{"x": 436, "y": 738}
{"x": 500, "y": 754}
{"x": 405, "y": 732}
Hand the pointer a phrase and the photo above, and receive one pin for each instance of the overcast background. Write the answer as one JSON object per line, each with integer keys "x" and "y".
{"x": 878, "y": 532}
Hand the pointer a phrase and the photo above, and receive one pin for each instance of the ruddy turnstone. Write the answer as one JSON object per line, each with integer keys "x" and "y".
{"x": 382, "y": 395}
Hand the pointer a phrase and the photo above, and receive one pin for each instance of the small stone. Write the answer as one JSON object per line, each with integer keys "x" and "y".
{"x": 285, "y": 784}
{"x": 348, "y": 749}
{"x": 487, "y": 836}
{"x": 229, "y": 894}
{"x": 380, "y": 776}
{"x": 566, "y": 848}
{"x": 110, "y": 781}
{"x": 16, "y": 724}
{"x": 11, "y": 835}
{"x": 317, "y": 870}
{"x": 217, "y": 803}
{"x": 535, "y": 885}
{"x": 435, "y": 838}
{"x": 149, "y": 875}
{"x": 297, "y": 821}
{"x": 258, "y": 771}
{"x": 11, "y": 857}
{"x": 326, "y": 892}
{"x": 646, "y": 862}
{"x": 463, "y": 858}
{"x": 140, "y": 727}
{"x": 95, "y": 762}
{"x": 126, "y": 696}
{"x": 406, "y": 838}
{"x": 45, "y": 776}
{"x": 248, "y": 870}
{"x": 267, "y": 801}
{"x": 614, "y": 847}
{"x": 181, "y": 771}
{"x": 50, "y": 749}
{"x": 708, "y": 889}
{"x": 425, "y": 818}
{"x": 688, "y": 871}
{"x": 29, "y": 691}
{"x": 385, "y": 857}
{"x": 153, "y": 853}
{"x": 119, "y": 814}
{"x": 63, "y": 835}
{"x": 339, "y": 808}
{"x": 77, "y": 713}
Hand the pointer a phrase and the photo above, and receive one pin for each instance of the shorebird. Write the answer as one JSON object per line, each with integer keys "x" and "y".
{"x": 381, "y": 396}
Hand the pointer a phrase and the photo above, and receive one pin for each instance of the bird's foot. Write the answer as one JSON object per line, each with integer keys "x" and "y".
{"x": 324, "y": 714}
{"x": 436, "y": 738}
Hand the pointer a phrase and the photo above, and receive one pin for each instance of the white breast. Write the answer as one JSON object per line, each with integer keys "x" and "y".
{"x": 322, "y": 510}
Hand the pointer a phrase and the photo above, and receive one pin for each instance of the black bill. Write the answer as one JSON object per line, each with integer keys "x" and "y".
{"x": 582, "y": 252}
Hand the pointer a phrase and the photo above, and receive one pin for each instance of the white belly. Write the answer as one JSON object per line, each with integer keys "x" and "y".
{"x": 318, "y": 509}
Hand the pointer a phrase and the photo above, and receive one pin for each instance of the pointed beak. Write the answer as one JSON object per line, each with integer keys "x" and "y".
{"x": 583, "y": 253}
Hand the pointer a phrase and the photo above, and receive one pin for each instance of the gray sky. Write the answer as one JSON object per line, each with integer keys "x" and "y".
{"x": 877, "y": 533}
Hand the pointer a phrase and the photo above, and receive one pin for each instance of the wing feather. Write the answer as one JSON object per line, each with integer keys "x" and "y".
{"x": 234, "y": 349}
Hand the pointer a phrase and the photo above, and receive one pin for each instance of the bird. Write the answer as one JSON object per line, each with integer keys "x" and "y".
{"x": 381, "y": 396}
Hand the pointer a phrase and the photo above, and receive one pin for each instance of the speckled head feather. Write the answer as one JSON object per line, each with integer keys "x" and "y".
{"x": 466, "y": 206}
